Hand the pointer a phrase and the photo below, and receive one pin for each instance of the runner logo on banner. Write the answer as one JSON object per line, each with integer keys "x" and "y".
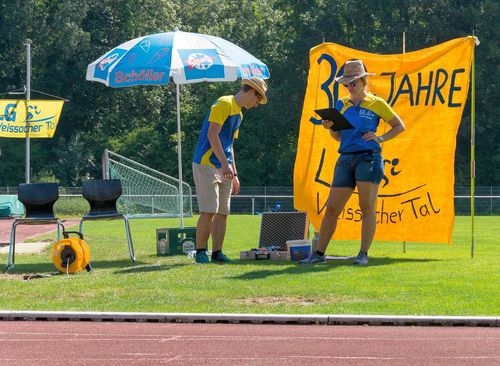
{"x": 428, "y": 90}
{"x": 42, "y": 117}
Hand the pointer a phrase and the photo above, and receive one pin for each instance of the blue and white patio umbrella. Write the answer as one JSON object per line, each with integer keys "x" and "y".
{"x": 184, "y": 57}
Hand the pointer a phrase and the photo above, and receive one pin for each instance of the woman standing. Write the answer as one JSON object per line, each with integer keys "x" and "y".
{"x": 360, "y": 163}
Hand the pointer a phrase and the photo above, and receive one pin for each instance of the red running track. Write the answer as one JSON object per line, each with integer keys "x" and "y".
{"x": 27, "y": 231}
{"x": 94, "y": 343}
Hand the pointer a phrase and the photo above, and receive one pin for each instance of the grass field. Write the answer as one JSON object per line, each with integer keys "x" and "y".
{"x": 429, "y": 279}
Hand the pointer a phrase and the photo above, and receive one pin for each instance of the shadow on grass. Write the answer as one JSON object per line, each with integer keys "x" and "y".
{"x": 295, "y": 268}
{"x": 21, "y": 268}
{"x": 283, "y": 268}
{"x": 384, "y": 261}
{"x": 48, "y": 267}
{"x": 151, "y": 268}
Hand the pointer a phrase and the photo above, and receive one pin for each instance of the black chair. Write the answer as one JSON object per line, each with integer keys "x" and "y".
{"x": 102, "y": 195}
{"x": 38, "y": 200}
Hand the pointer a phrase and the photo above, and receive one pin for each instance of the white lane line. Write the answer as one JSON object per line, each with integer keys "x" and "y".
{"x": 235, "y": 337}
{"x": 172, "y": 359}
{"x": 73, "y": 360}
{"x": 174, "y": 338}
{"x": 290, "y": 358}
{"x": 164, "y": 338}
{"x": 148, "y": 354}
{"x": 82, "y": 334}
{"x": 284, "y": 358}
{"x": 6, "y": 340}
{"x": 287, "y": 338}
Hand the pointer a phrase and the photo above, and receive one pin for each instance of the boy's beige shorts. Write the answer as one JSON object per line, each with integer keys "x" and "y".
{"x": 212, "y": 189}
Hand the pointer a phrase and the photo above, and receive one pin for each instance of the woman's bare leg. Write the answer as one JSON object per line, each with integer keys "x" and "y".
{"x": 336, "y": 202}
{"x": 368, "y": 193}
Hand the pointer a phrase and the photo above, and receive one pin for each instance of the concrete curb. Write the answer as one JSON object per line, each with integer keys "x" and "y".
{"x": 26, "y": 248}
{"x": 385, "y": 320}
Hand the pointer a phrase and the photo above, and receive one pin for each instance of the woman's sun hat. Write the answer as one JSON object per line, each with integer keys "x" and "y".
{"x": 352, "y": 70}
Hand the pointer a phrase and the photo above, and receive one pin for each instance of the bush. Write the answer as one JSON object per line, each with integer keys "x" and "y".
{"x": 71, "y": 206}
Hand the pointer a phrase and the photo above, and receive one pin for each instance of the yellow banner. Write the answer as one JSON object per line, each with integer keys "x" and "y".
{"x": 43, "y": 116}
{"x": 428, "y": 90}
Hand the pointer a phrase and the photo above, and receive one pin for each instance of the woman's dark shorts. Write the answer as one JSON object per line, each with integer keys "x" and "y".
{"x": 365, "y": 167}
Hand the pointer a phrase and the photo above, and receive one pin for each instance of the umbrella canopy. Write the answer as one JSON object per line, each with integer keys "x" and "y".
{"x": 185, "y": 57}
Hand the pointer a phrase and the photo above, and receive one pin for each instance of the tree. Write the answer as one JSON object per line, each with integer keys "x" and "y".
{"x": 140, "y": 122}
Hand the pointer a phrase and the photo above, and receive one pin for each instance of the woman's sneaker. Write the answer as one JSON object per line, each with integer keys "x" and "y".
{"x": 313, "y": 259}
{"x": 220, "y": 258}
{"x": 361, "y": 259}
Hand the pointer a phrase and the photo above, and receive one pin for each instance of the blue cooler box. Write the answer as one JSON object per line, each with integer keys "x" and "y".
{"x": 299, "y": 249}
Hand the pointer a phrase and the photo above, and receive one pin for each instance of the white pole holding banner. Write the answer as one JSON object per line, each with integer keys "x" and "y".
{"x": 179, "y": 154}
{"x": 28, "y": 97}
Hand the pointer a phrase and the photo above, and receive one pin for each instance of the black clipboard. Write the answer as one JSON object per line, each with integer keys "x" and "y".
{"x": 339, "y": 121}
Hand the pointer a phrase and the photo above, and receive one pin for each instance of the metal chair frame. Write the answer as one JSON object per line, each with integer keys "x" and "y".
{"x": 102, "y": 195}
{"x": 38, "y": 200}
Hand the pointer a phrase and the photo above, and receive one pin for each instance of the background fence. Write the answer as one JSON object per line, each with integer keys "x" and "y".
{"x": 264, "y": 199}
{"x": 255, "y": 200}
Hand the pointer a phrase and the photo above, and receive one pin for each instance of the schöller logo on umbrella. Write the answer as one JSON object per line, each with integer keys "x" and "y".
{"x": 200, "y": 61}
{"x": 134, "y": 76}
{"x": 202, "y": 64}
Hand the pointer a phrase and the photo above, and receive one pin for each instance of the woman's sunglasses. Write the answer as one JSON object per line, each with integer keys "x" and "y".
{"x": 352, "y": 84}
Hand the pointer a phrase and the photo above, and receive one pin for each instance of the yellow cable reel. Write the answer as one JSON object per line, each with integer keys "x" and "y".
{"x": 71, "y": 255}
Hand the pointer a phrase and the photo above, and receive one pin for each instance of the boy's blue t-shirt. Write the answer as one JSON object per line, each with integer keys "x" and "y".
{"x": 225, "y": 112}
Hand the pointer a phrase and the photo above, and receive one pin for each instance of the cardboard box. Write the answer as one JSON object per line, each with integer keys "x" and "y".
{"x": 275, "y": 255}
{"x": 298, "y": 249}
{"x": 279, "y": 255}
{"x": 253, "y": 255}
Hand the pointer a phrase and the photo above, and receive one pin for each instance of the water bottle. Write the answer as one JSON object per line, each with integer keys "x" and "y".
{"x": 314, "y": 243}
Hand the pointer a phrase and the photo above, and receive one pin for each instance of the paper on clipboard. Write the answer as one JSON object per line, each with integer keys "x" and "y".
{"x": 339, "y": 121}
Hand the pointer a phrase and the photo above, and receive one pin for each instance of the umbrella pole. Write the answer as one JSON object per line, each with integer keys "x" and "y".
{"x": 28, "y": 97}
{"x": 179, "y": 154}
